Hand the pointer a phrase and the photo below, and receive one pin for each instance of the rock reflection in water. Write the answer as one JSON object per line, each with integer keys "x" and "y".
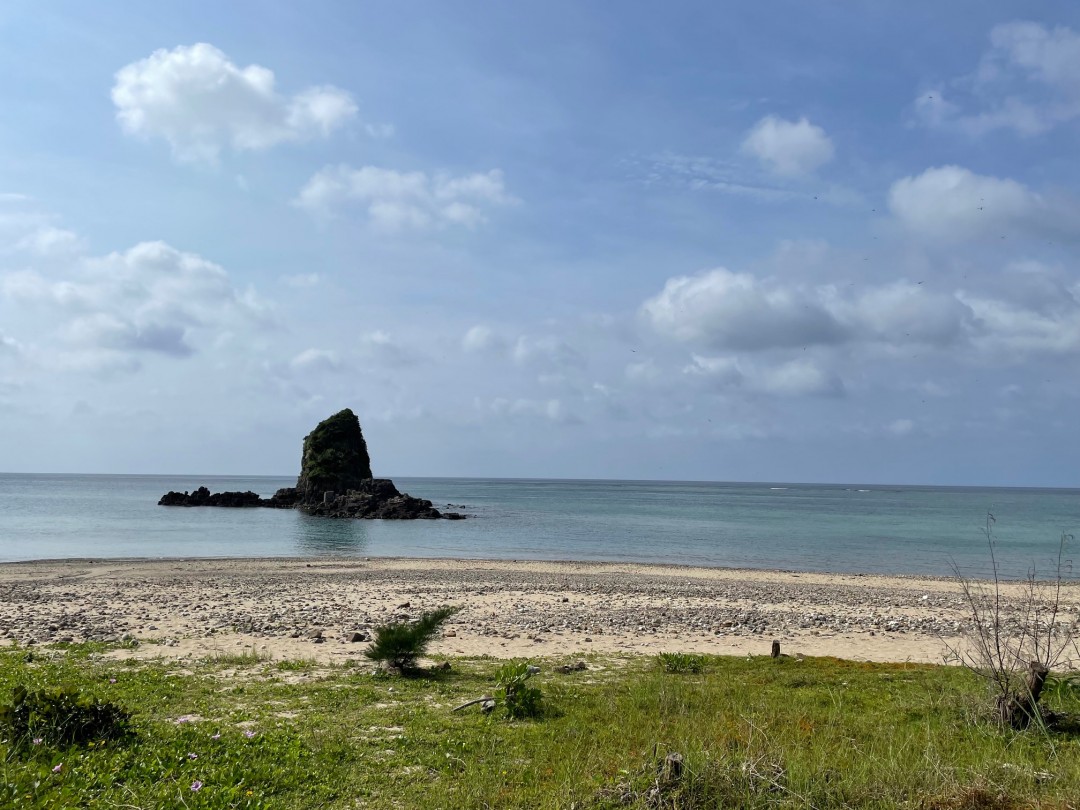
{"x": 319, "y": 535}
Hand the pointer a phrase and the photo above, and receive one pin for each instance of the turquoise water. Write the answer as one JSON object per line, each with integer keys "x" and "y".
{"x": 871, "y": 529}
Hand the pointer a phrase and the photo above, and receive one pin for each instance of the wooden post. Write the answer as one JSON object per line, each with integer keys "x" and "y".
{"x": 775, "y": 649}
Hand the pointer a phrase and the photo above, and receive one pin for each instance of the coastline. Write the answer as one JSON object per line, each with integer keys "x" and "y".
{"x": 272, "y": 607}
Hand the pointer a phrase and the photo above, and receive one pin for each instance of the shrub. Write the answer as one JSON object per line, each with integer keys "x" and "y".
{"x": 682, "y": 662}
{"x": 60, "y": 717}
{"x": 519, "y": 699}
{"x": 1016, "y": 647}
{"x": 399, "y": 644}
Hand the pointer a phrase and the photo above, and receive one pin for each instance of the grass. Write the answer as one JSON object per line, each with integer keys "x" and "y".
{"x": 756, "y": 732}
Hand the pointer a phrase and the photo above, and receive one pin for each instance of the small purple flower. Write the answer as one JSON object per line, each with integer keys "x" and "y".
{"x": 196, "y": 785}
{"x": 112, "y": 680}
{"x": 38, "y": 741}
{"x": 215, "y": 736}
{"x": 249, "y": 734}
{"x": 58, "y": 768}
{"x": 192, "y": 756}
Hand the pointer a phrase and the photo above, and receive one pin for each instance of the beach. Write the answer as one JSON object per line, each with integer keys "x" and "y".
{"x": 324, "y": 609}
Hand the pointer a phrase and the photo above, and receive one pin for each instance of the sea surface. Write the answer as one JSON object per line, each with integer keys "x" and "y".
{"x": 802, "y": 527}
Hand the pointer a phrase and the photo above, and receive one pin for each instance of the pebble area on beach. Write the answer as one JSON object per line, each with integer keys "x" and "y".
{"x": 297, "y": 607}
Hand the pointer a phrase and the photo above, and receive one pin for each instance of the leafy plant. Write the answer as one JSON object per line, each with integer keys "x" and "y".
{"x": 682, "y": 662}
{"x": 399, "y": 644}
{"x": 519, "y": 698}
{"x": 60, "y": 717}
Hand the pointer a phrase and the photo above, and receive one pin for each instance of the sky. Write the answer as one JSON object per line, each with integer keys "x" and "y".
{"x": 787, "y": 241}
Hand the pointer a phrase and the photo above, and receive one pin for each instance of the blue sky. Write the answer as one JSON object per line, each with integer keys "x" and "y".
{"x": 785, "y": 241}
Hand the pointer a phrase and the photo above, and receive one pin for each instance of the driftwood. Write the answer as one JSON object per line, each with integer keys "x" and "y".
{"x": 1021, "y": 707}
{"x": 485, "y": 699}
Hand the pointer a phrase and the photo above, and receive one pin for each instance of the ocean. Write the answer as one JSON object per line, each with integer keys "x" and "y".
{"x": 800, "y": 527}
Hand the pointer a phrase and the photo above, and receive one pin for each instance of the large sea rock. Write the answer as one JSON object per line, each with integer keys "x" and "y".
{"x": 335, "y": 481}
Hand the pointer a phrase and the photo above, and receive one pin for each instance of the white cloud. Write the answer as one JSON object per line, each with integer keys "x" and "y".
{"x": 482, "y": 338}
{"x": 788, "y": 148}
{"x": 1036, "y": 310}
{"x": 725, "y": 310}
{"x": 548, "y": 351}
{"x": 151, "y": 298}
{"x": 551, "y": 410}
{"x": 904, "y": 313}
{"x": 795, "y": 378}
{"x": 953, "y": 203}
{"x": 316, "y": 360}
{"x": 47, "y": 240}
{"x": 400, "y": 201}
{"x": 381, "y": 347}
{"x": 1027, "y": 81}
{"x": 720, "y": 371}
{"x": 200, "y": 102}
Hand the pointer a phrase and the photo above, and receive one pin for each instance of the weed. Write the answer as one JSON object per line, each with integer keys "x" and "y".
{"x": 60, "y": 717}
{"x": 682, "y": 662}
{"x": 519, "y": 699}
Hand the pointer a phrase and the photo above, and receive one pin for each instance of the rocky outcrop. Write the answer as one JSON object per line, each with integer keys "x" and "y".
{"x": 335, "y": 481}
{"x": 374, "y": 498}
{"x": 335, "y": 458}
{"x": 203, "y": 497}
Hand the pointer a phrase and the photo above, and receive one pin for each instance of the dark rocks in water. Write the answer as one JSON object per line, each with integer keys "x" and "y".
{"x": 374, "y": 498}
{"x": 335, "y": 458}
{"x": 335, "y": 481}
{"x": 203, "y": 497}
{"x": 284, "y": 498}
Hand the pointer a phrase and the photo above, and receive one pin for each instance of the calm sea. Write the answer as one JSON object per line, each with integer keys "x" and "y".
{"x": 872, "y": 529}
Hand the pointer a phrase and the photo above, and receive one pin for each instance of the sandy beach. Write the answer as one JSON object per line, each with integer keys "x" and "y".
{"x": 314, "y": 608}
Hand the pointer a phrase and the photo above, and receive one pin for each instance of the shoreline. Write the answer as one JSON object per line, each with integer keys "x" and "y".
{"x": 308, "y": 607}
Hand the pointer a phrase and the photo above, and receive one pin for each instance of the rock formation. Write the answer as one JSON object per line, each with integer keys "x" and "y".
{"x": 335, "y": 481}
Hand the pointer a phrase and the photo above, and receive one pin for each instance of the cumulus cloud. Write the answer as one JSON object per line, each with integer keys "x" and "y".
{"x": 381, "y": 347}
{"x": 9, "y": 346}
{"x": 47, "y": 240}
{"x": 725, "y": 310}
{"x": 953, "y": 203}
{"x": 551, "y": 410}
{"x": 793, "y": 378}
{"x": 548, "y": 351}
{"x": 151, "y": 298}
{"x": 200, "y": 102}
{"x": 1028, "y": 81}
{"x": 788, "y": 148}
{"x": 482, "y": 338}
{"x": 316, "y": 360}
{"x": 1036, "y": 310}
{"x": 401, "y": 201}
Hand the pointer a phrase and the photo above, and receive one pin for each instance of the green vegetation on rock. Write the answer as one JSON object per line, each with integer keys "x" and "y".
{"x": 335, "y": 457}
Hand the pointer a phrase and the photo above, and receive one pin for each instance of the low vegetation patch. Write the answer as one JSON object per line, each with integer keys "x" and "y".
{"x": 400, "y": 644}
{"x": 682, "y": 662}
{"x": 747, "y": 733}
{"x": 520, "y": 699}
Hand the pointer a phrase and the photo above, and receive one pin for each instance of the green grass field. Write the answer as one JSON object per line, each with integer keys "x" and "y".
{"x": 818, "y": 733}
